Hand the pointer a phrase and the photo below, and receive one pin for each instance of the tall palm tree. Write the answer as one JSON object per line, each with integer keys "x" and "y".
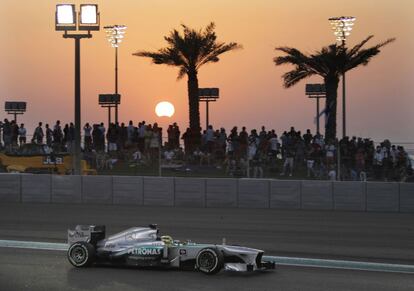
{"x": 329, "y": 63}
{"x": 189, "y": 51}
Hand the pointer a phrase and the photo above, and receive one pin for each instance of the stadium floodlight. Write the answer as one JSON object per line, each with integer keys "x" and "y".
{"x": 114, "y": 35}
{"x": 88, "y": 17}
{"x": 342, "y": 27}
{"x": 65, "y": 17}
{"x": 66, "y": 20}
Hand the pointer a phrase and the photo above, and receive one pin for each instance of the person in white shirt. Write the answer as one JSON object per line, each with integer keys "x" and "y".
{"x": 130, "y": 131}
{"x": 87, "y": 129}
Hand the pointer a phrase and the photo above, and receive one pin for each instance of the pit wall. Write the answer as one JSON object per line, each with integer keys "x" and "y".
{"x": 208, "y": 192}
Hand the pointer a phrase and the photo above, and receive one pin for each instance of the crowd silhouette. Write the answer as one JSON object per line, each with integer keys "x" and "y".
{"x": 238, "y": 152}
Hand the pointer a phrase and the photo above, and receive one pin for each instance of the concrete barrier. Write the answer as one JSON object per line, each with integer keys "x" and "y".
{"x": 208, "y": 192}
{"x": 190, "y": 192}
{"x": 36, "y": 188}
{"x": 221, "y": 193}
{"x": 285, "y": 194}
{"x": 317, "y": 195}
{"x": 253, "y": 193}
{"x": 159, "y": 191}
{"x": 349, "y": 196}
{"x": 10, "y": 187}
{"x": 382, "y": 196}
{"x": 97, "y": 189}
{"x": 66, "y": 189}
{"x": 406, "y": 197}
{"x": 128, "y": 190}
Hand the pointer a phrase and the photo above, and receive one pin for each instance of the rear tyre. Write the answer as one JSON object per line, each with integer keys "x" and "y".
{"x": 81, "y": 254}
{"x": 209, "y": 261}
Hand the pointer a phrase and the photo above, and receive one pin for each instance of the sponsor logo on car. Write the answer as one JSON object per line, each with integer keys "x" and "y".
{"x": 145, "y": 251}
{"x": 183, "y": 252}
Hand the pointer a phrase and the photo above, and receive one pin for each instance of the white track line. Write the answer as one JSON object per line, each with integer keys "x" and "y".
{"x": 286, "y": 261}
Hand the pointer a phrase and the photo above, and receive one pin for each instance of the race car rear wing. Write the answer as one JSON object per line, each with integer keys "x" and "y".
{"x": 87, "y": 233}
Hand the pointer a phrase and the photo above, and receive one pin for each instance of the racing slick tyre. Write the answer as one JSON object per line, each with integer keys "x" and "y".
{"x": 209, "y": 261}
{"x": 81, "y": 254}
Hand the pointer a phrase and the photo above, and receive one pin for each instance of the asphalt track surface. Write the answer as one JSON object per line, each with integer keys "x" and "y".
{"x": 369, "y": 237}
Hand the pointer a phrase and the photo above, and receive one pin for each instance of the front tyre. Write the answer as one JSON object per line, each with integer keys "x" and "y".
{"x": 81, "y": 254}
{"x": 209, "y": 261}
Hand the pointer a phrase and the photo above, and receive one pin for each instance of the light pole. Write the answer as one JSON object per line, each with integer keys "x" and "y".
{"x": 15, "y": 108}
{"x": 208, "y": 95}
{"x": 66, "y": 20}
{"x": 342, "y": 27}
{"x": 115, "y": 34}
{"x": 316, "y": 91}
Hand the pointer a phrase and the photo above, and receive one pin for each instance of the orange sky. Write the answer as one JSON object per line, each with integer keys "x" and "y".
{"x": 37, "y": 64}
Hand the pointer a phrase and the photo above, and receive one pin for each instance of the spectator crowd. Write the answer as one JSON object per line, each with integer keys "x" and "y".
{"x": 239, "y": 152}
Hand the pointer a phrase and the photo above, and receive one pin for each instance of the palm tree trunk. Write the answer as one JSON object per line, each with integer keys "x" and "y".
{"x": 194, "y": 110}
{"x": 331, "y": 85}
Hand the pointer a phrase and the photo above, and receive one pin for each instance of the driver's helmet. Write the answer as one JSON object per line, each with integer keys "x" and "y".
{"x": 168, "y": 240}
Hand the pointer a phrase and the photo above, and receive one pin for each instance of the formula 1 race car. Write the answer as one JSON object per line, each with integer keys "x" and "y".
{"x": 143, "y": 247}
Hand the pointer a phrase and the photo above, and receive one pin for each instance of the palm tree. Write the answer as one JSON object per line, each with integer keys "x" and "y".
{"x": 189, "y": 51}
{"x": 329, "y": 63}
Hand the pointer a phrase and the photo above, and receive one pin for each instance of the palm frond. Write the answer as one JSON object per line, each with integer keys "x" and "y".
{"x": 292, "y": 77}
{"x": 363, "y": 56}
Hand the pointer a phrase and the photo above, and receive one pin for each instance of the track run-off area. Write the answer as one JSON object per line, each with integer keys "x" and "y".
{"x": 313, "y": 250}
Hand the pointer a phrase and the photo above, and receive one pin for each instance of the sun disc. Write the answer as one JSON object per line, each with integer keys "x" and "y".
{"x": 164, "y": 108}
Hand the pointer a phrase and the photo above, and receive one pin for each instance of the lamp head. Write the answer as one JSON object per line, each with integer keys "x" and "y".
{"x": 89, "y": 17}
{"x": 65, "y": 17}
{"x": 342, "y": 26}
{"x": 115, "y": 34}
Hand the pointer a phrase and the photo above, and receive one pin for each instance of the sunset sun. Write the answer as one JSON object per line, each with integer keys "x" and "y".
{"x": 164, "y": 108}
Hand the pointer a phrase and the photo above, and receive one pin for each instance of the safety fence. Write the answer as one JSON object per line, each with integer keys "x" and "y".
{"x": 208, "y": 192}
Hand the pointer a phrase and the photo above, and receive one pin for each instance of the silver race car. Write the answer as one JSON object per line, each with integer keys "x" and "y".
{"x": 143, "y": 247}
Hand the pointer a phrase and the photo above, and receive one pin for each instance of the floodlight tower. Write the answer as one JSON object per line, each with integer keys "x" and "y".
{"x": 115, "y": 34}
{"x": 66, "y": 19}
{"x": 342, "y": 27}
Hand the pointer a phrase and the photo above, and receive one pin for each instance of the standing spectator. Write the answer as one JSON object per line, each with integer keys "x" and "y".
{"x": 155, "y": 142}
{"x": 307, "y": 137}
{"x": 290, "y": 156}
{"x": 170, "y": 136}
{"x": 57, "y": 136}
{"x": 243, "y": 140}
{"x": 22, "y": 134}
{"x": 71, "y": 137}
{"x": 38, "y": 134}
{"x": 130, "y": 131}
{"x": 112, "y": 138}
{"x": 176, "y": 136}
{"x": 360, "y": 165}
{"x": 330, "y": 154}
{"x": 235, "y": 143}
{"x": 377, "y": 163}
{"x": 101, "y": 127}
{"x": 221, "y": 140}
{"x": 257, "y": 166}
{"x": 49, "y": 136}
{"x": 122, "y": 132}
{"x": 97, "y": 142}
{"x": 14, "y": 132}
{"x": 65, "y": 137}
{"x": 87, "y": 135}
{"x": 141, "y": 136}
{"x": 274, "y": 144}
{"x": 186, "y": 137}
{"x": 210, "y": 138}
